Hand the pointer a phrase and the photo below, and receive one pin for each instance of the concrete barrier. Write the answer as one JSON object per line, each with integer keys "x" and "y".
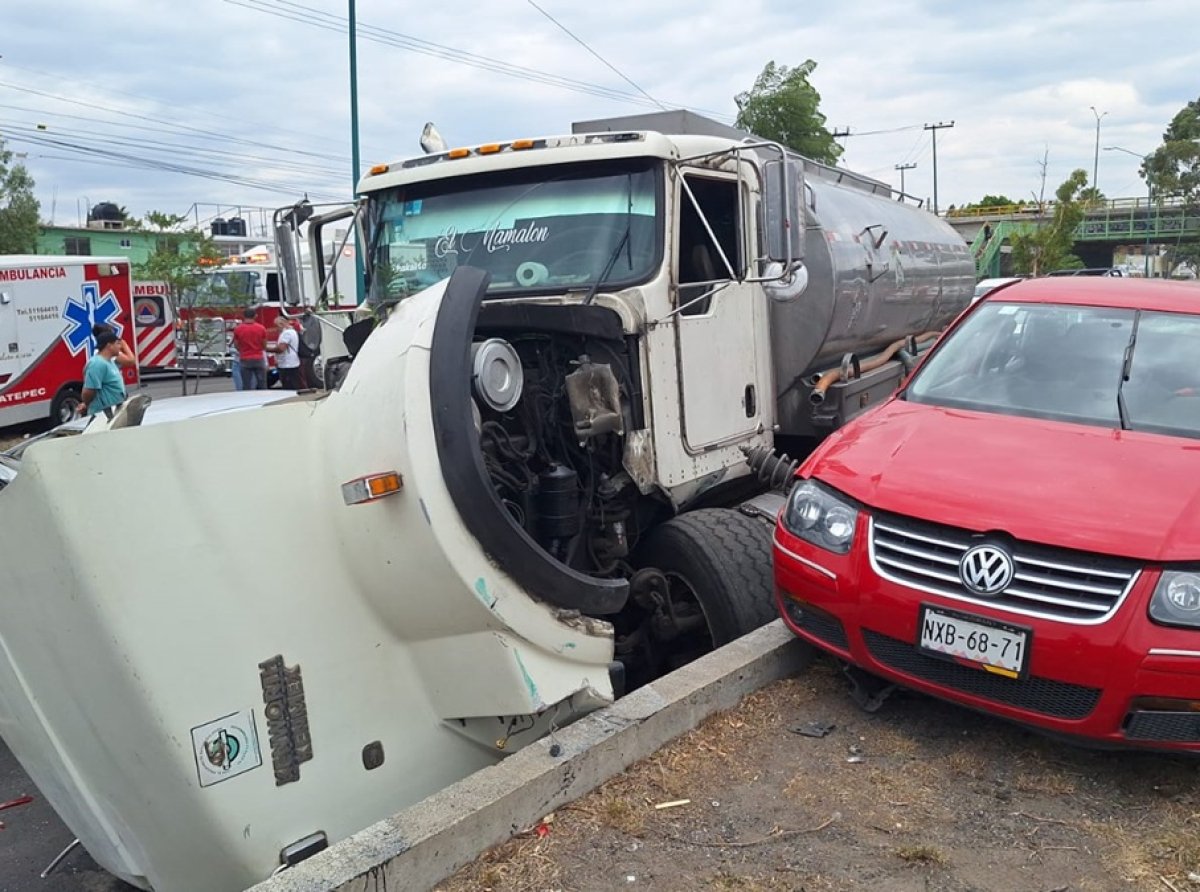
{"x": 424, "y": 844}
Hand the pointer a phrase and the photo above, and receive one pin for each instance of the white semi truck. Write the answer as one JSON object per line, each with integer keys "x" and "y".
{"x": 544, "y": 478}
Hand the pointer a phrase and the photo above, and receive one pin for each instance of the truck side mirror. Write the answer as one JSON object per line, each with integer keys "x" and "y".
{"x": 783, "y": 210}
{"x": 289, "y": 266}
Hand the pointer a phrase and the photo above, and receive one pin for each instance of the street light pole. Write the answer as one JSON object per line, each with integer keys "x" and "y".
{"x": 1096, "y": 160}
{"x": 1149, "y": 202}
{"x": 902, "y": 168}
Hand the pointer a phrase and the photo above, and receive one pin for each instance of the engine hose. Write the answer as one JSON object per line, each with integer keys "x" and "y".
{"x": 828, "y": 379}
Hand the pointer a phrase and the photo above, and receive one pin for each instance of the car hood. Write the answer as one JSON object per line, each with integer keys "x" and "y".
{"x": 1095, "y": 489}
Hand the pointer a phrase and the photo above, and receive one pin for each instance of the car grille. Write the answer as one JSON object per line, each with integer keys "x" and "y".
{"x": 1055, "y": 583}
{"x": 1175, "y": 727}
{"x": 1041, "y": 695}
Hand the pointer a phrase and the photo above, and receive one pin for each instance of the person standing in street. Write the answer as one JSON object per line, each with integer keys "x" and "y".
{"x": 310, "y": 347}
{"x": 287, "y": 353}
{"x": 250, "y": 344}
{"x": 103, "y": 389}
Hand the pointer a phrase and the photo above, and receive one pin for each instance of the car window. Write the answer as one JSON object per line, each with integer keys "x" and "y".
{"x": 1059, "y": 361}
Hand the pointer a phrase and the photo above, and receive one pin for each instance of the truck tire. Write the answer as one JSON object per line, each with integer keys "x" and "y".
{"x": 723, "y": 558}
{"x": 62, "y": 407}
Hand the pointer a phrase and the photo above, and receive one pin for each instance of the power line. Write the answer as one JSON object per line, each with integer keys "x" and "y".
{"x": 158, "y": 164}
{"x": 109, "y": 89}
{"x": 129, "y": 114}
{"x": 139, "y": 129}
{"x": 317, "y": 18}
{"x": 606, "y": 63}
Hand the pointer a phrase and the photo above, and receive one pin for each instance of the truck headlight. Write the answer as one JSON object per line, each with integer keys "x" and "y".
{"x": 820, "y": 516}
{"x": 1176, "y": 600}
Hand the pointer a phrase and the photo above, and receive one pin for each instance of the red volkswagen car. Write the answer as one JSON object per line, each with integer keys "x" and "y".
{"x": 1018, "y": 529}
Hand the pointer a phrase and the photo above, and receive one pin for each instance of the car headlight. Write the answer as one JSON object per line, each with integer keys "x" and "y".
{"x": 818, "y": 515}
{"x": 1176, "y": 600}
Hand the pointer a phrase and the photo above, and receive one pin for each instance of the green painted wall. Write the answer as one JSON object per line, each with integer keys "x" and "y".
{"x": 101, "y": 242}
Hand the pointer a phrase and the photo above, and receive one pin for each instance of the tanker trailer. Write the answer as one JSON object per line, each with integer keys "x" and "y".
{"x": 532, "y": 489}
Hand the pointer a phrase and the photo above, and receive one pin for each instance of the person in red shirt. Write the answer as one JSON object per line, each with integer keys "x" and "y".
{"x": 250, "y": 342}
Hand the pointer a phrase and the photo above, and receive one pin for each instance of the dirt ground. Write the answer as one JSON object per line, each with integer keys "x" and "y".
{"x": 918, "y": 796}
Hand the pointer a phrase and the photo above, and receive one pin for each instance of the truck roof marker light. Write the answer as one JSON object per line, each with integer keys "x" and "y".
{"x": 372, "y": 487}
{"x": 378, "y": 169}
{"x": 458, "y": 153}
{"x": 519, "y": 144}
{"x": 490, "y": 148}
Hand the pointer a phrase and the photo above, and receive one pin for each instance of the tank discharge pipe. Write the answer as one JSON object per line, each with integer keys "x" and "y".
{"x": 822, "y": 383}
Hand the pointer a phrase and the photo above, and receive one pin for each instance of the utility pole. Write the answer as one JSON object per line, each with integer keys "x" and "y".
{"x": 935, "y": 128}
{"x": 840, "y": 134}
{"x": 1096, "y": 159}
{"x": 902, "y": 168}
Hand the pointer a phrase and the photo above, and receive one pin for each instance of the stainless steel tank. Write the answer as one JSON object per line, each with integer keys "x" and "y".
{"x": 879, "y": 270}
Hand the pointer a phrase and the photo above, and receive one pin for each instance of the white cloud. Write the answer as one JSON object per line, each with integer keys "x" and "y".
{"x": 264, "y": 97}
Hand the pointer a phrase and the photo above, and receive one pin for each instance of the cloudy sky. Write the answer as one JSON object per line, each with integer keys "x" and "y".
{"x": 204, "y": 106}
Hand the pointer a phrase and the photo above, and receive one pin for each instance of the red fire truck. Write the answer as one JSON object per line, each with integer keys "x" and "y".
{"x": 48, "y": 305}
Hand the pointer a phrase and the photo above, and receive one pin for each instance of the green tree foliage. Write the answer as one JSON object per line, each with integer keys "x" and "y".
{"x": 1049, "y": 246}
{"x": 783, "y": 106}
{"x": 18, "y": 207}
{"x": 990, "y": 201}
{"x": 181, "y": 260}
{"x": 1173, "y": 171}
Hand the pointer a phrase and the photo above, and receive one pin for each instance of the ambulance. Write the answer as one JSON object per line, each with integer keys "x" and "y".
{"x": 48, "y": 305}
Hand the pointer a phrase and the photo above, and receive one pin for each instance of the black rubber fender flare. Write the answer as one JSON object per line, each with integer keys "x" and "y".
{"x": 461, "y": 459}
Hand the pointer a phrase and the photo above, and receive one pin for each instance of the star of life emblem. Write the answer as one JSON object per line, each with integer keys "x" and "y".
{"x": 93, "y": 308}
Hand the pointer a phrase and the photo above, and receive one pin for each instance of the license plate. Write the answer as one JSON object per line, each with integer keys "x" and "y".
{"x": 974, "y": 640}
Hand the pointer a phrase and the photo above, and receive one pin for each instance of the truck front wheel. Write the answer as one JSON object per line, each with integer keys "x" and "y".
{"x": 720, "y": 559}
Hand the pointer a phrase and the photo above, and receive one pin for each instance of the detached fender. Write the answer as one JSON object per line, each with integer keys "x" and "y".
{"x": 466, "y": 478}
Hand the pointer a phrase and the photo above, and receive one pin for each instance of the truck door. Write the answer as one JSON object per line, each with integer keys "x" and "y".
{"x": 717, "y": 318}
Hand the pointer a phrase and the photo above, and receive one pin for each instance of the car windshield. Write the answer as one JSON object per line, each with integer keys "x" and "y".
{"x": 1068, "y": 363}
{"x": 546, "y": 228}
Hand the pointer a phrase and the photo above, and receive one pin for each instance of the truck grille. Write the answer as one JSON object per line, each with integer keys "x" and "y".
{"x": 1042, "y": 695}
{"x": 1053, "y": 583}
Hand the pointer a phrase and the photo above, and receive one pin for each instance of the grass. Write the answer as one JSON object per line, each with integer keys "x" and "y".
{"x": 926, "y": 855}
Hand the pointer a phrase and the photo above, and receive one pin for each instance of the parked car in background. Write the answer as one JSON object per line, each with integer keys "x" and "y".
{"x": 1113, "y": 271}
{"x": 1017, "y": 529}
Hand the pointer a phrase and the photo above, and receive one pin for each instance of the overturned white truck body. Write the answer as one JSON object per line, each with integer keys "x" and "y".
{"x": 529, "y": 491}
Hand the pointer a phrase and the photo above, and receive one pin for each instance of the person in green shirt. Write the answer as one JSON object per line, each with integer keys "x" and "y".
{"x": 103, "y": 388}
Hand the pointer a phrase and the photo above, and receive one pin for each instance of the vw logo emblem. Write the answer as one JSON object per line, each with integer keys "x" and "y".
{"x": 986, "y": 570}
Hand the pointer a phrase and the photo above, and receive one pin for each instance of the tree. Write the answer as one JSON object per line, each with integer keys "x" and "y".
{"x": 990, "y": 201}
{"x": 181, "y": 261}
{"x": 1173, "y": 171}
{"x": 1049, "y": 246}
{"x": 18, "y": 207}
{"x": 783, "y": 106}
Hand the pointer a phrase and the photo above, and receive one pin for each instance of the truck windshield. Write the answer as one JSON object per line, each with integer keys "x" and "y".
{"x": 1066, "y": 362}
{"x": 534, "y": 229}
{"x": 232, "y": 288}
